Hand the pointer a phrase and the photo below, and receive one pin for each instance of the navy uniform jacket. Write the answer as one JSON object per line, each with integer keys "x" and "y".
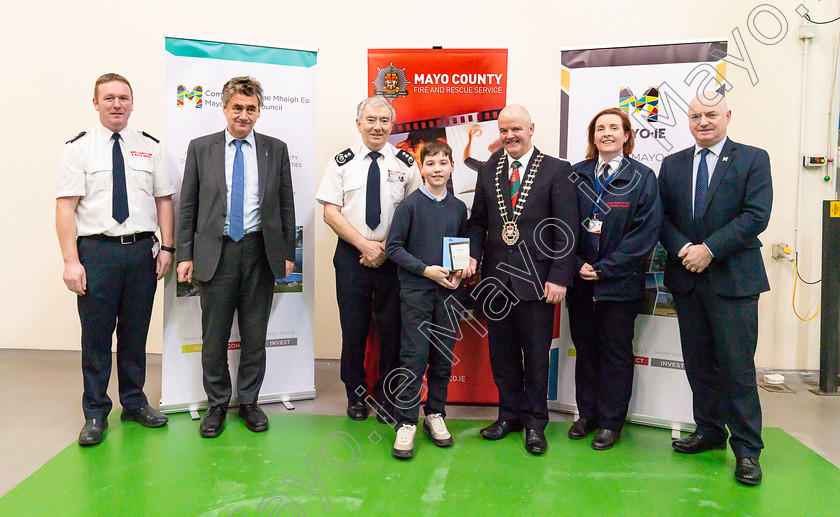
{"x": 629, "y": 231}
{"x": 738, "y": 207}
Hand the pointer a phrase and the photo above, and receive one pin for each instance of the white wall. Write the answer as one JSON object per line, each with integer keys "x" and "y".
{"x": 53, "y": 53}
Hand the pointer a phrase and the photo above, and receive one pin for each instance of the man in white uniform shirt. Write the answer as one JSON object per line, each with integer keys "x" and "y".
{"x": 361, "y": 188}
{"x": 113, "y": 194}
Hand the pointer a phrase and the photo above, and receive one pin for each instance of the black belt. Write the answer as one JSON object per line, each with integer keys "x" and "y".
{"x": 122, "y": 239}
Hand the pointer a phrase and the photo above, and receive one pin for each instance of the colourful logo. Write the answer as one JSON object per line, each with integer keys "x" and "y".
{"x": 390, "y": 82}
{"x": 647, "y": 104}
{"x": 190, "y": 95}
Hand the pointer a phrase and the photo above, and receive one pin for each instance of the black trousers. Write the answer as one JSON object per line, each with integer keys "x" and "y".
{"x": 603, "y": 336}
{"x": 362, "y": 292}
{"x": 719, "y": 336}
{"x": 426, "y": 348}
{"x": 121, "y": 283}
{"x": 243, "y": 283}
{"x": 519, "y": 345}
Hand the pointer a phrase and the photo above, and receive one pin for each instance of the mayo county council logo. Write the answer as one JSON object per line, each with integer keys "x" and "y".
{"x": 190, "y": 95}
{"x": 647, "y": 104}
{"x": 390, "y": 82}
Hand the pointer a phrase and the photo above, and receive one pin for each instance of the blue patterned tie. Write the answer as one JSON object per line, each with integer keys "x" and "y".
{"x": 237, "y": 195}
{"x": 119, "y": 198}
{"x": 701, "y": 187}
{"x": 373, "y": 210}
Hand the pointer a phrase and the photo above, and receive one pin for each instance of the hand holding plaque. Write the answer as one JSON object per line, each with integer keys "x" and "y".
{"x": 456, "y": 253}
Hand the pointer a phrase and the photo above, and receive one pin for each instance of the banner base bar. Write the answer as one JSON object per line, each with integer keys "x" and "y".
{"x": 263, "y": 399}
{"x": 635, "y": 418}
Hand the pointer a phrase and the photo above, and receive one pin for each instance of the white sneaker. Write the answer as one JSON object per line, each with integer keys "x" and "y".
{"x": 436, "y": 427}
{"x": 404, "y": 444}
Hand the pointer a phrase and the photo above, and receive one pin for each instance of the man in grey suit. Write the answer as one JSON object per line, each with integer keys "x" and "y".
{"x": 236, "y": 235}
{"x": 717, "y": 197}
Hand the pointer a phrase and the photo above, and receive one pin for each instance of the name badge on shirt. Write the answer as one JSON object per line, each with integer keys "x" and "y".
{"x": 594, "y": 226}
{"x": 396, "y": 176}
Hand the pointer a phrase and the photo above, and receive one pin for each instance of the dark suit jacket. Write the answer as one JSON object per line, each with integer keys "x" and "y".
{"x": 630, "y": 229}
{"x": 551, "y": 208}
{"x": 204, "y": 204}
{"x": 737, "y": 209}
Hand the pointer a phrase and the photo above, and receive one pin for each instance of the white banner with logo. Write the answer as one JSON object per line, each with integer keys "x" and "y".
{"x": 196, "y": 70}
{"x": 653, "y": 84}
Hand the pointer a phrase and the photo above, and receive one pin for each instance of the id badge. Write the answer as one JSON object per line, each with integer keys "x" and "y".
{"x": 396, "y": 176}
{"x": 155, "y": 247}
{"x": 594, "y": 226}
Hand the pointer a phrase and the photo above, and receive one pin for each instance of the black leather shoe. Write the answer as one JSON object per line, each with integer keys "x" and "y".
{"x": 93, "y": 432}
{"x": 695, "y": 442}
{"x": 605, "y": 439}
{"x": 214, "y": 422}
{"x": 255, "y": 418}
{"x": 145, "y": 416}
{"x": 501, "y": 428}
{"x": 357, "y": 410}
{"x": 535, "y": 441}
{"x": 581, "y": 429}
{"x": 748, "y": 471}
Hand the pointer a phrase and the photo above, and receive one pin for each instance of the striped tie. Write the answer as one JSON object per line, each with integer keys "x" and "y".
{"x": 514, "y": 183}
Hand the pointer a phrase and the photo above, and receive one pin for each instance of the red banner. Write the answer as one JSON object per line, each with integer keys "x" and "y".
{"x": 432, "y": 84}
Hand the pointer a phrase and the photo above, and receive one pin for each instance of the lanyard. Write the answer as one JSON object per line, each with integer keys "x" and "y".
{"x": 598, "y": 188}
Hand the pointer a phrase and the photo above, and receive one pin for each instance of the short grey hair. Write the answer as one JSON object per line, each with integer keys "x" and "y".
{"x": 376, "y": 100}
{"x": 246, "y": 85}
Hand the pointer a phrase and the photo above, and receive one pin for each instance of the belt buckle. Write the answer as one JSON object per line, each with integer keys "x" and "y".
{"x": 128, "y": 239}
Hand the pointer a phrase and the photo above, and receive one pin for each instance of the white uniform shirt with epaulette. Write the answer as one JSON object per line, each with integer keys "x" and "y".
{"x": 86, "y": 171}
{"x": 345, "y": 184}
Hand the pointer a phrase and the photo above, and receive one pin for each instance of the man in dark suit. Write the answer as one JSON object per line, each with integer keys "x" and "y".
{"x": 717, "y": 197}
{"x": 523, "y": 220}
{"x": 236, "y": 236}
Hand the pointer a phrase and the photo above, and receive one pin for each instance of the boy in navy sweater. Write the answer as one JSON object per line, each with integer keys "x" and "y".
{"x": 415, "y": 243}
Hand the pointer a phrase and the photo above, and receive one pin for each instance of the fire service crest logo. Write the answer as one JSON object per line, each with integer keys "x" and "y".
{"x": 390, "y": 82}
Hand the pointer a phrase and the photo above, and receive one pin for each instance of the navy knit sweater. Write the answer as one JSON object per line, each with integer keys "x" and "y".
{"x": 416, "y": 236}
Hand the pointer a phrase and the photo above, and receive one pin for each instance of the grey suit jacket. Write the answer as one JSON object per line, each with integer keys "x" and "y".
{"x": 204, "y": 204}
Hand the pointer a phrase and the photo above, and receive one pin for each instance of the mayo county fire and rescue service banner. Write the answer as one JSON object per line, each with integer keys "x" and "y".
{"x": 653, "y": 84}
{"x": 196, "y": 70}
{"x": 453, "y": 95}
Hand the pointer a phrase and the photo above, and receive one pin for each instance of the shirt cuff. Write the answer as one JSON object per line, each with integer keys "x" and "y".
{"x": 709, "y": 250}
{"x": 687, "y": 244}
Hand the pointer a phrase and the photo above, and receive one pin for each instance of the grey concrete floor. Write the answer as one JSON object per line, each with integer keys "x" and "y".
{"x": 41, "y": 395}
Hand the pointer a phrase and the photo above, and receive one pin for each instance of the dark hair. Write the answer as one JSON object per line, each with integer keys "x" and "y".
{"x": 592, "y": 151}
{"x": 435, "y": 147}
{"x": 245, "y": 85}
{"x": 107, "y": 78}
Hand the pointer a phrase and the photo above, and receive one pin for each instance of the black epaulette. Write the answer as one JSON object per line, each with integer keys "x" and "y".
{"x": 147, "y": 135}
{"x": 405, "y": 157}
{"x": 344, "y": 157}
{"x": 80, "y": 135}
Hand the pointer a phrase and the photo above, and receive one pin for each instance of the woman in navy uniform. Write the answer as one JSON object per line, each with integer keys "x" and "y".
{"x": 621, "y": 216}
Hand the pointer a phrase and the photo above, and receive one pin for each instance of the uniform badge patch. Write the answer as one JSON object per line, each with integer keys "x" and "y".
{"x": 405, "y": 157}
{"x": 344, "y": 157}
